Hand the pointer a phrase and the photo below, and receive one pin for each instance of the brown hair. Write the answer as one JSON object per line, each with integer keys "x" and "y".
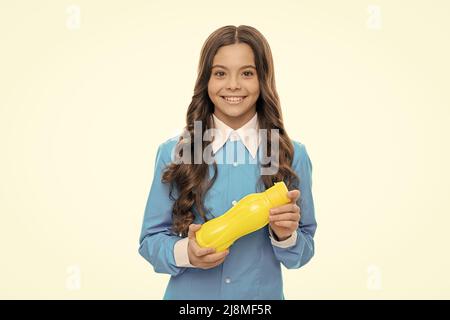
{"x": 192, "y": 180}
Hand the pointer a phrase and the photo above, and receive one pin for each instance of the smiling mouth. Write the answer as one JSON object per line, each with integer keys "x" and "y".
{"x": 234, "y": 100}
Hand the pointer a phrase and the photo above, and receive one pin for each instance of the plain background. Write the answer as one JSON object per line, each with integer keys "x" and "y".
{"x": 89, "y": 89}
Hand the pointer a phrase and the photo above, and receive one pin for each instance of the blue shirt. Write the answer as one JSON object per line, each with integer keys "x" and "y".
{"x": 252, "y": 270}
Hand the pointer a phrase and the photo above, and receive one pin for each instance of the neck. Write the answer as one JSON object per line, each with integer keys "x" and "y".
{"x": 235, "y": 122}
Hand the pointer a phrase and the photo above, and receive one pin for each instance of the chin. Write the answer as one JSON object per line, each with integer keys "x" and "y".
{"x": 232, "y": 113}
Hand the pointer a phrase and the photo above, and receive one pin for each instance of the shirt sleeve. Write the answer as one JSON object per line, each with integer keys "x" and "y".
{"x": 156, "y": 241}
{"x": 297, "y": 255}
{"x": 289, "y": 242}
{"x": 181, "y": 254}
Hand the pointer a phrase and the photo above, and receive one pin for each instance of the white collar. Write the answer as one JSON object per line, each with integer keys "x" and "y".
{"x": 248, "y": 134}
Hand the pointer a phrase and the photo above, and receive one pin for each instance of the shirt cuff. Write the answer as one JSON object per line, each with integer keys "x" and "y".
{"x": 289, "y": 242}
{"x": 180, "y": 253}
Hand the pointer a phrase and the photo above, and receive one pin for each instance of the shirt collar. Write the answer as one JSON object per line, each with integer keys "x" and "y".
{"x": 248, "y": 134}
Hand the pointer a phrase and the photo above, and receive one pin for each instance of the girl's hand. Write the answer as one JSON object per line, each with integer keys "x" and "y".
{"x": 284, "y": 220}
{"x": 204, "y": 258}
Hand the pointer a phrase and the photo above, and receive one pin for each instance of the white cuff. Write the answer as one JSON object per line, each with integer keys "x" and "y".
{"x": 289, "y": 242}
{"x": 180, "y": 253}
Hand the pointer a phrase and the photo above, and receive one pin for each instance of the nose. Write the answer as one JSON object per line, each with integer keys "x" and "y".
{"x": 233, "y": 83}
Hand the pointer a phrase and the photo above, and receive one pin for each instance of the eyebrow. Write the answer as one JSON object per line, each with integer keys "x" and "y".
{"x": 243, "y": 67}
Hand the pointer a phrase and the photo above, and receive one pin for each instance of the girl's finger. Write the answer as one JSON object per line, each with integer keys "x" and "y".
{"x": 200, "y": 252}
{"x": 193, "y": 228}
{"x": 290, "y": 207}
{"x": 290, "y": 216}
{"x": 213, "y": 265}
{"x": 293, "y": 195}
{"x": 287, "y": 224}
{"x": 215, "y": 257}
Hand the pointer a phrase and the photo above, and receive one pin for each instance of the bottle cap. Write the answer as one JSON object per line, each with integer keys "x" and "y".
{"x": 277, "y": 194}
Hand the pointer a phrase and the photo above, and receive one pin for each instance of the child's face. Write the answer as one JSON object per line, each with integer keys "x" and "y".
{"x": 234, "y": 78}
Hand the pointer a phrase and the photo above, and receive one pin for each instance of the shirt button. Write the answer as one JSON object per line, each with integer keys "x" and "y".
{"x": 234, "y": 202}
{"x": 235, "y": 164}
{"x": 227, "y": 280}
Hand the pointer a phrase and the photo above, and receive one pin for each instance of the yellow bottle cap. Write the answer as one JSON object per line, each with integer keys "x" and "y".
{"x": 277, "y": 194}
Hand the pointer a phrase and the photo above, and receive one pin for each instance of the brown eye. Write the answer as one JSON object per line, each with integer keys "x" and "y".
{"x": 249, "y": 73}
{"x": 217, "y": 73}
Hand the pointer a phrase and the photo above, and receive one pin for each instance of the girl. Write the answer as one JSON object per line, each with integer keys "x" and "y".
{"x": 234, "y": 97}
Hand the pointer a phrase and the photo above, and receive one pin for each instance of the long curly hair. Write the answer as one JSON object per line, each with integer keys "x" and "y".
{"x": 192, "y": 180}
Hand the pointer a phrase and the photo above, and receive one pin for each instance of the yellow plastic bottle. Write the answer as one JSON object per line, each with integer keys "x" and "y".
{"x": 248, "y": 215}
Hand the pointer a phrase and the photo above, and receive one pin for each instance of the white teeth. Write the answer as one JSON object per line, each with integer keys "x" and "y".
{"x": 233, "y": 100}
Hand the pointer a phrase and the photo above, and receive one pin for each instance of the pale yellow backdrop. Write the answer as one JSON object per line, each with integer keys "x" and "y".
{"x": 88, "y": 90}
